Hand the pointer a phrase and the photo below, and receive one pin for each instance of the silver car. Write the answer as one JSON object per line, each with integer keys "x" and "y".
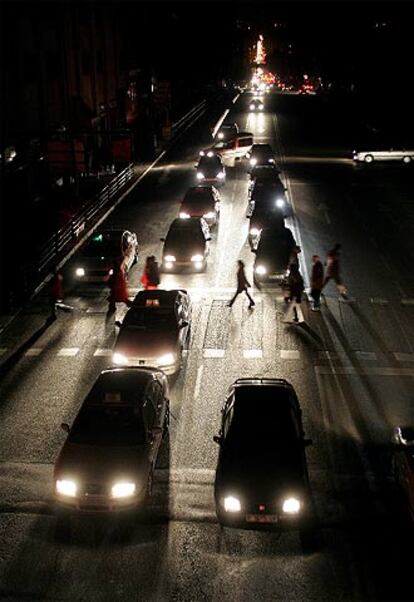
{"x": 390, "y": 154}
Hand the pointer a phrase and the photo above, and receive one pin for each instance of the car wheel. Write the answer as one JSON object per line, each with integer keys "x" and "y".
{"x": 406, "y": 159}
{"x": 368, "y": 158}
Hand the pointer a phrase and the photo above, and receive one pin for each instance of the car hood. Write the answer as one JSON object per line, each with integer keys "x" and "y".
{"x": 95, "y": 263}
{"x": 146, "y": 343}
{"x": 90, "y": 463}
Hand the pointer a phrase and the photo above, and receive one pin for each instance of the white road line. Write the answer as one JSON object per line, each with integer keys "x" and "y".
{"x": 235, "y": 98}
{"x": 379, "y": 301}
{"x": 198, "y": 381}
{"x": 250, "y": 354}
{"x": 289, "y": 354}
{"x": 407, "y": 301}
{"x": 366, "y": 355}
{"x": 404, "y": 357}
{"x": 214, "y": 353}
{"x": 68, "y": 352}
{"x": 220, "y": 121}
{"x": 365, "y": 371}
{"x": 33, "y": 351}
{"x": 103, "y": 352}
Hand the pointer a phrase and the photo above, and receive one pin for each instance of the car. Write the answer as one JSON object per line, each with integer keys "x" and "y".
{"x": 107, "y": 461}
{"x": 264, "y": 216}
{"x": 386, "y": 154}
{"x": 270, "y": 193}
{"x": 256, "y": 104}
{"x": 201, "y": 201}
{"x": 233, "y": 149}
{"x": 260, "y": 154}
{"x": 264, "y": 173}
{"x": 272, "y": 255}
{"x": 261, "y": 476}
{"x": 186, "y": 245}
{"x": 227, "y": 131}
{"x": 155, "y": 330}
{"x": 210, "y": 169}
{"x": 403, "y": 462}
{"x": 95, "y": 261}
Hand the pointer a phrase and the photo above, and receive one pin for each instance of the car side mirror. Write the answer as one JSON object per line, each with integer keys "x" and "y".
{"x": 65, "y": 427}
{"x": 218, "y": 439}
{"x": 118, "y": 323}
{"x": 307, "y": 442}
{"x": 162, "y": 239}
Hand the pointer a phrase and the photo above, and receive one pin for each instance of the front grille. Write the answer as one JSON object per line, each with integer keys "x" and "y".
{"x": 95, "y": 489}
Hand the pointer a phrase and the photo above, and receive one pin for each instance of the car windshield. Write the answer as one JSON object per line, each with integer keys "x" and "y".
{"x": 102, "y": 246}
{"x": 150, "y": 318}
{"x": 262, "y": 153}
{"x": 108, "y": 426}
{"x": 185, "y": 237}
{"x": 210, "y": 162}
{"x": 263, "y": 416}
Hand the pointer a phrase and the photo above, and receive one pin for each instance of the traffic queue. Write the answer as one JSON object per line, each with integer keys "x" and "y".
{"x": 108, "y": 460}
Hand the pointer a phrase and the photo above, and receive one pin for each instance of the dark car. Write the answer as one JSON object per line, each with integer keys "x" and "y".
{"x": 264, "y": 173}
{"x": 403, "y": 463}
{"x": 210, "y": 169}
{"x": 227, "y": 131}
{"x": 96, "y": 258}
{"x": 155, "y": 330}
{"x": 201, "y": 201}
{"x": 186, "y": 245}
{"x": 107, "y": 461}
{"x": 272, "y": 255}
{"x": 260, "y": 154}
{"x": 261, "y": 476}
{"x": 269, "y": 193}
{"x": 264, "y": 215}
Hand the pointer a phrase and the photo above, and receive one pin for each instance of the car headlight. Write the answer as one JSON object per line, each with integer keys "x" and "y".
{"x": 167, "y": 360}
{"x": 111, "y": 271}
{"x": 280, "y": 203}
{"x": 253, "y": 162}
{"x": 270, "y": 160}
{"x": 200, "y": 175}
{"x": 261, "y": 107}
{"x": 291, "y": 505}
{"x": 66, "y": 487}
{"x": 232, "y": 504}
{"x": 169, "y": 258}
{"x": 197, "y": 258}
{"x": 168, "y": 265}
{"x": 209, "y": 215}
{"x": 220, "y": 136}
{"x": 261, "y": 270}
{"x": 254, "y": 232}
{"x": 184, "y": 215}
{"x": 202, "y": 153}
{"x": 252, "y": 107}
{"x": 119, "y": 359}
{"x": 210, "y": 154}
{"x": 220, "y": 175}
{"x": 125, "y": 489}
{"x": 80, "y": 272}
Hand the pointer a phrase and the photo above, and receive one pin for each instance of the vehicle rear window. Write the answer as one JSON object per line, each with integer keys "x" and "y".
{"x": 108, "y": 426}
{"x": 101, "y": 246}
{"x": 198, "y": 196}
{"x": 152, "y": 318}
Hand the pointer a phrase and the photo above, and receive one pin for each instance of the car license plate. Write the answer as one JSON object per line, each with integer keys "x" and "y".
{"x": 261, "y": 518}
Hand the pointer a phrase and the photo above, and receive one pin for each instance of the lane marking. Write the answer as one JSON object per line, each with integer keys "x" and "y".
{"x": 198, "y": 381}
{"x": 68, "y": 352}
{"x": 289, "y": 354}
{"x": 235, "y": 98}
{"x": 33, "y": 351}
{"x": 101, "y": 352}
{"x": 379, "y": 301}
{"x": 365, "y": 371}
{"x": 250, "y": 354}
{"x": 407, "y": 301}
{"x": 219, "y": 122}
{"x": 404, "y": 357}
{"x": 213, "y": 353}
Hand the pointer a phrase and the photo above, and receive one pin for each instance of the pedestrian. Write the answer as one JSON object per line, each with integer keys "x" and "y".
{"x": 316, "y": 282}
{"x": 295, "y": 286}
{"x": 118, "y": 287}
{"x": 294, "y": 256}
{"x": 56, "y": 291}
{"x": 333, "y": 270}
{"x": 150, "y": 278}
{"x": 242, "y": 285}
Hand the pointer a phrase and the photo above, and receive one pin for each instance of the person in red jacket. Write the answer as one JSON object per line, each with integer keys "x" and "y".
{"x": 150, "y": 278}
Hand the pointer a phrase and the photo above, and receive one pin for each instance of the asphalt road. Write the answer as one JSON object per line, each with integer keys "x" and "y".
{"x": 352, "y": 367}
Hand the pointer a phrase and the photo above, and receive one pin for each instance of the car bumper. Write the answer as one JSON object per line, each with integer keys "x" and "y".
{"x": 152, "y": 363}
{"x": 99, "y": 503}
{"x": 183, "y": 265}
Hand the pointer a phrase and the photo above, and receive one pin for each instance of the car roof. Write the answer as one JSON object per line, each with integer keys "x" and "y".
{"x": 119, "y": 386}
{"x": 273, "y": 398}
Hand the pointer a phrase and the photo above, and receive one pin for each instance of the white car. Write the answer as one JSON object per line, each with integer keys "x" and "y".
{"x": 391, "y": 154}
